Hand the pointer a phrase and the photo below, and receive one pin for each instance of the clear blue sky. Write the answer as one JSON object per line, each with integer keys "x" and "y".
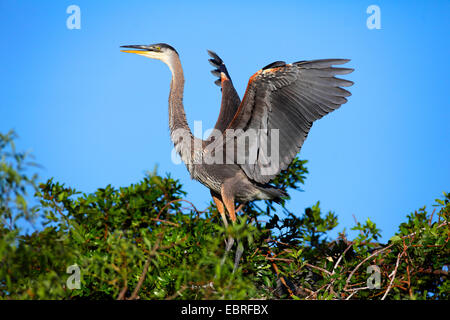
{"x": 95, "y": 116}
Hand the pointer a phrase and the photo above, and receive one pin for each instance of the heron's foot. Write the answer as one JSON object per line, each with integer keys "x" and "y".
{"x": 239, "y": 251}
{"x": 229, "y": 244}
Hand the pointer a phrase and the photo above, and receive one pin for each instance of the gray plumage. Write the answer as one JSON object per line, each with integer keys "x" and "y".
{"x": 286, "y": 97}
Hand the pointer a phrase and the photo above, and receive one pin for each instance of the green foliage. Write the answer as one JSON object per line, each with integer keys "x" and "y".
{"x": 14, "y": 182}
{"x": 146, "y": 241}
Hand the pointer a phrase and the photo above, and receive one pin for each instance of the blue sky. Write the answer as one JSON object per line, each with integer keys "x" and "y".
{"x": 94, "y": 116}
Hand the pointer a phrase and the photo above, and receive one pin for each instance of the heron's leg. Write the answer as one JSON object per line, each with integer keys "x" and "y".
{"x": 240, "y": 248}
{"x": 228, "y": 200}
{"x": 221, "y": 209}
{"x": 237, "y": 257}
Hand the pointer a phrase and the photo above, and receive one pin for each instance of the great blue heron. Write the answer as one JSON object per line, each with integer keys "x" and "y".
{"x": 285, "y": 98}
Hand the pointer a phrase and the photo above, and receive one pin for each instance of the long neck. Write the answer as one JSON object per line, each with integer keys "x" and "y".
{"x": 180, "y": 132}
{"x": 177, "y": 116}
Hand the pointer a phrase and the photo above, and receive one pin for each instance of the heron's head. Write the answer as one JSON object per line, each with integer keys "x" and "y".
{"x": 160, "y": 51}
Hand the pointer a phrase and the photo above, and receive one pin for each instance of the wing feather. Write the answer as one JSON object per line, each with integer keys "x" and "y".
{"x": 230, "y": 98}
{"x": 289, "y": 98}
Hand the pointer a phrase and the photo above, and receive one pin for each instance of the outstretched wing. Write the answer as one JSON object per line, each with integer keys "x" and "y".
{"x": 287, "y": 97}
{"x": 230, "y": 98}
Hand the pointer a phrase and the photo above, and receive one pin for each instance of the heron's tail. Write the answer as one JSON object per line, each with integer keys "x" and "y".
{"x": 271, "y": 193}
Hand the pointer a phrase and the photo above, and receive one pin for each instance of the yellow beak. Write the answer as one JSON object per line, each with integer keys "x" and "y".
{"x": 133, "y": 51}
{"x": 138, "y": 49}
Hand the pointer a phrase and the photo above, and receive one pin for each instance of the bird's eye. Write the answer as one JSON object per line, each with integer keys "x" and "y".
{"x": 158, "y": 48}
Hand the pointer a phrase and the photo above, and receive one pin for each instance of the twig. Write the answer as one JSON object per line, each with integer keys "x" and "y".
{"x": 165, "y": 221}
{"x": 278, "y": 275}
{"x": 362, "y": 262}
{"x": 436, "y": 272}
{"x": 179, "y": 200}
{"x": 393, "y": 275}
{"x": 351, "y": 295}
{"x": 318, "y": 268}
{"x": 178, "y": 293}
{"x": 340, "y": 258}
{"x": 123, "y": 291}
{"x": 141, "y": 280}
{"x": 125, "y": 281}
{"x": 287, "y": 287}
{"x": 280, "y": 259}
{"x": 275, "y": 241}
{"x": 407, "y": 269}
{"x": 314, "y": 293}
{"x": 144, "y": 271}
{"x": 431, "y": 217}
{"x": 167, "y": 205}
{"x": 336, "y": 265}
